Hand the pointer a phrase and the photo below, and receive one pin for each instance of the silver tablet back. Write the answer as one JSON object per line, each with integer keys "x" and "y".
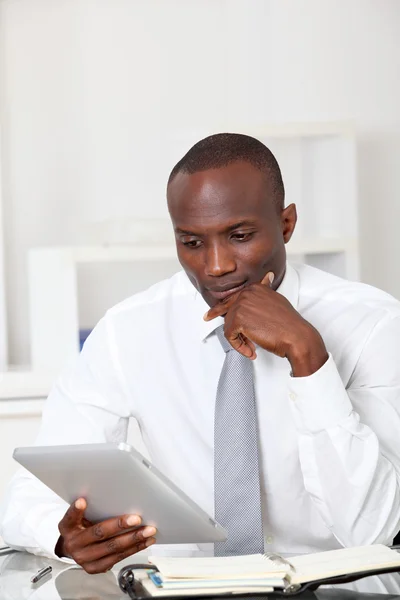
{"x": 115, "y": 479}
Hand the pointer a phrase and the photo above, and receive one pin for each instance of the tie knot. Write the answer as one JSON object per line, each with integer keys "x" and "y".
{"x": 223, "y": 341}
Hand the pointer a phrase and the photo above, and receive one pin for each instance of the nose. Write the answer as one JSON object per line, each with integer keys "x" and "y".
{"x": 219, "y": 261}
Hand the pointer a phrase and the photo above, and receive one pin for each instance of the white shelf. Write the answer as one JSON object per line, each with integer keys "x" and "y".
{"x": 25, "y": 384}
{"x": 37, "y": 384}
{"x": 54, "y": 296}
{"x": 13, "y": 408}
{"x": 94, "y": 254}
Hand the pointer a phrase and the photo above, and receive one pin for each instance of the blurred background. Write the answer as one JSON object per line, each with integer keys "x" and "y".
{"x": 100, "y": 98}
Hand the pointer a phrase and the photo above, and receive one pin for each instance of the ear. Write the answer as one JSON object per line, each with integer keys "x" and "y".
{"x": 288, "y": 221}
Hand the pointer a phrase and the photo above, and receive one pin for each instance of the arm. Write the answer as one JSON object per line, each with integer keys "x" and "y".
{"x": 348, "y": 438}
{"x": 349, "y": 441}
{"x": 87, "y": 405}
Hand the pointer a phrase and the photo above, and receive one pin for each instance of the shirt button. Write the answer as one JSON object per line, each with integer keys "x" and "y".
{"x": 292, "y": 396}
{"x": 270, "y": 539}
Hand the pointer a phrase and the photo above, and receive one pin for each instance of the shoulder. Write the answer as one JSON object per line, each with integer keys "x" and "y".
{"x": 355, "y": 320}
{"x": 320, "y": 289}
{"x": 175, "y": 289}
{"x": 144, "y": 313}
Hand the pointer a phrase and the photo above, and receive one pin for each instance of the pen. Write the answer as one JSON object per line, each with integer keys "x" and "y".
{"x": 41, "y": 573}
{"x": 6, "y": 550}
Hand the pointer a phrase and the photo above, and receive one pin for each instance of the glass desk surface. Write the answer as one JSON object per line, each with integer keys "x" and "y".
{"x": 68, "y": 582}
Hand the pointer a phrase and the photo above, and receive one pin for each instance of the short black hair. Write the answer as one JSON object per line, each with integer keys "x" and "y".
{"x": 222, "y": 149}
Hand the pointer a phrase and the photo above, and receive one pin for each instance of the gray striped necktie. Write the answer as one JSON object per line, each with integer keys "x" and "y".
{"x": 236, "y": 470}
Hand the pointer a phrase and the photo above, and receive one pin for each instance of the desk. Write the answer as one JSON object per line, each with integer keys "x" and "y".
{"x": 72, "y": 583}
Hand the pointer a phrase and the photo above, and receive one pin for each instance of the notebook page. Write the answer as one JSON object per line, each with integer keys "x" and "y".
{"x": 202, "y": 584}
{"x": 224, "y": 567}
{"x": 156, "y": 591}
{"x": 344, "y": 561}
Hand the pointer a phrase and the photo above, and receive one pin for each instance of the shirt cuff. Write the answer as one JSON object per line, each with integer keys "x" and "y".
{"x": 47, "y": 534}
{"x": 319, "y": 401}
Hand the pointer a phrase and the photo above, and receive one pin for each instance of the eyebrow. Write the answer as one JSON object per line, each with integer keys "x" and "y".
{"x": 227, "y": 230}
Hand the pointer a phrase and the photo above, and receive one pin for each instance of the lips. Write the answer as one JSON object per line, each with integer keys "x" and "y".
{"x": 225, "y": 293}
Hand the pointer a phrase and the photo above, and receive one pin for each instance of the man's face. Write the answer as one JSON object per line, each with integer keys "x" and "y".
{"x": 229, "y": 231}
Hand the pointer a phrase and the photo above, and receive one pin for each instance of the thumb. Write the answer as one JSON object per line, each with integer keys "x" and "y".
{"x": 77, "y": 511}
{"x": 80, "y": 505}
{"x": 268, "y": 279}
{"x": 74, "y": 516}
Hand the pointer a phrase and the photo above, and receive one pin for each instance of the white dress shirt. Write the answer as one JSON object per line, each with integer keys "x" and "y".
{"x": 329, "y": 443}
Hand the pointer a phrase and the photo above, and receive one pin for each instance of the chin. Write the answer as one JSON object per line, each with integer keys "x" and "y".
{"x": 209, "y": 300}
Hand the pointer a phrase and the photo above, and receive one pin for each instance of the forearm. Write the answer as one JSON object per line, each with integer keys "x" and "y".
{"x": 353, "y": 484}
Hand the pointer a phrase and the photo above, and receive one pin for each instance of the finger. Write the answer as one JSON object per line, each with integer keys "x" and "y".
{"x": 74, "y": 516}
{"x": 114, "y": 545}
{"x": 220, "y": 309}
{"x": 108, "y": 528}
{"x": 268, "y": 279}
{"x": 106, "y": 563}
{"x": 242, "y": 344}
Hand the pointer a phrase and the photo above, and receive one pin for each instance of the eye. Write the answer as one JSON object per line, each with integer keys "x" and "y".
{"x": 242, "y": 236}
{"x": 192, "y": 243}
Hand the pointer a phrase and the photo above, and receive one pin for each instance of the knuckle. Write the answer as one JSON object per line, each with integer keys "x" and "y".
{"x": 73, "y": 545}
{"x": 112, "y": 545}
{"x": 121, "y": 556}
{"x": 98, "y": 532}
{"x": 78, "y": 557}
{"x": 137, "y": 536}
{"x": 140, "y": 546}
{"x": 90, "y": 568}
{"x": 63, "y": 524}
{"x": 69, "y": 546}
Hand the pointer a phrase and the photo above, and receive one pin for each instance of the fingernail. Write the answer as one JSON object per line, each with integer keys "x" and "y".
{"x": 205, "y": 316}
{"x": 133, "y": 520}
{"x": 271, "y": 277}
{"x": 150, "y": 542}
{"x": 148, "y": 531}
{"x": 80, "y": 504}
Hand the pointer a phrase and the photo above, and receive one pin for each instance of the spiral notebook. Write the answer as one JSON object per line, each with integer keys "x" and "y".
{"x": 261, "y": 573}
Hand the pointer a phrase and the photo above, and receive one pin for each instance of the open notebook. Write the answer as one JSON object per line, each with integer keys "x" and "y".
{"x": 263, "y": 573}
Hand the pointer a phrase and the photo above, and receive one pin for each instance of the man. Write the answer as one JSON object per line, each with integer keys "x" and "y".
{"x": 295, "y": 372}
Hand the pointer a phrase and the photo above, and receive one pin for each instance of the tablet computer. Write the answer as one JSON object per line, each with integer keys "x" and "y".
{"x": 115, "y": 479}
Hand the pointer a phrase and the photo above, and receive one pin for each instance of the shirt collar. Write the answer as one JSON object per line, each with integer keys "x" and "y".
{"x": 289, "y": 288}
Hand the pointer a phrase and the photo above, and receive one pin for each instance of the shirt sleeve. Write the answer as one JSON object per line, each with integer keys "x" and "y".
{"x": 349, "y": 440}
{"x": 88, "y": 404}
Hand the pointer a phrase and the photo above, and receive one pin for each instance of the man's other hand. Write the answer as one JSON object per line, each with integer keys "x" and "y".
{"x": 258, "y": 315}
{"x": 98, "y": 547}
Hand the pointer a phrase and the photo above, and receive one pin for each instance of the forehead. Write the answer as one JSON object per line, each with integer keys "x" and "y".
{"x": 236, "y": 192}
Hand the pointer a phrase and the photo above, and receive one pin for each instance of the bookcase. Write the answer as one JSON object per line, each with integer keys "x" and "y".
{"x": 318, "y": 162}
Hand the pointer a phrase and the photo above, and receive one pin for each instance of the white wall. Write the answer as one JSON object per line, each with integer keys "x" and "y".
{"x": 96, "y": 93}
{"x": 3, "y": 312}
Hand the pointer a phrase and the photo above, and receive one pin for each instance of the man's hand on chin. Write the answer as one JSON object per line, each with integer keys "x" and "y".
{"x": 258, "y": 315}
